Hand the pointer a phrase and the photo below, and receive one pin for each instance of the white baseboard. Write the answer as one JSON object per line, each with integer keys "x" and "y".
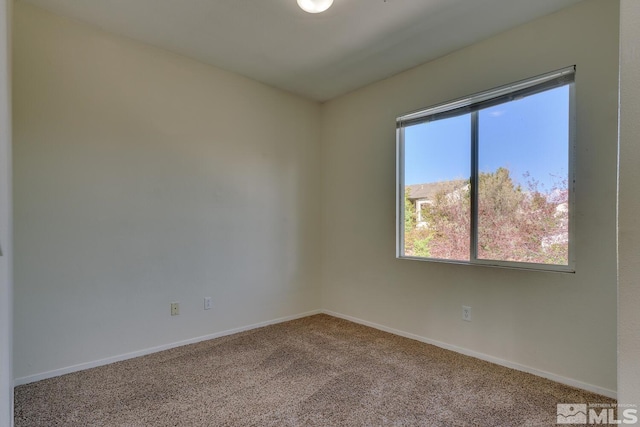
{"x": 118, "y": 358}
{"x": 553, "y": 377}
{"x": 88, "y": 365}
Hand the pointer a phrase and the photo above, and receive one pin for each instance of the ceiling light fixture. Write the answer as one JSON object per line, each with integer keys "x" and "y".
{"x": 315, "y": 6}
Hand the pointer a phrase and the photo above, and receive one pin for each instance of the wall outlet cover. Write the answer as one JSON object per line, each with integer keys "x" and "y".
{"x": 466, "y": 313}
{"x": 175, "y": 308}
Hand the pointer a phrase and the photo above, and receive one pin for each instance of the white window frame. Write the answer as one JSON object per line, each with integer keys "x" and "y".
{"x": 419, "y": 205}
{"x": 473, "y": 103}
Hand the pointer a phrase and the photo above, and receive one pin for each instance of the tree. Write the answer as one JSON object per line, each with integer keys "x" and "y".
{"x": 513, "y": 224}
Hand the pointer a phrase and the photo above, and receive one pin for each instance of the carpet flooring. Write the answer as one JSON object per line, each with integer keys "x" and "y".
{"x": 315, "y": 371}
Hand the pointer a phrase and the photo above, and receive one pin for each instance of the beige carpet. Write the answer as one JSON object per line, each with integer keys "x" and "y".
{"x": 316, "y": 371}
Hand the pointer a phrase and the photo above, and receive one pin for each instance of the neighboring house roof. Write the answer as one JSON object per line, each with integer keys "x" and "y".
{"x": 429, "y": 190}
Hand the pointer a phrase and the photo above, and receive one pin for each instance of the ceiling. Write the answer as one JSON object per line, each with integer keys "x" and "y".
{"x": 321, "y": 56}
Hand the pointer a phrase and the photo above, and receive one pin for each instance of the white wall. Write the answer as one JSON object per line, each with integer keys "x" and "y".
{"x": 143, "y": 177}
{"x": 629, "y": 207}
{"x": 6, "y": 297}
{"x": 562, "y": 324}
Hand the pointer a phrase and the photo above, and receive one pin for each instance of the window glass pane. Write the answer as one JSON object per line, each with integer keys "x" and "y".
{"x": 523, "y": 209}
{"x": 437, "y": 199}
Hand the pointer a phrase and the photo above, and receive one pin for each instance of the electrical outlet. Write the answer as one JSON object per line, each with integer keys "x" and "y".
{"x": 175, "y": 308}
{"x": 466, "y": 313}
{"x": 207, "y": 303}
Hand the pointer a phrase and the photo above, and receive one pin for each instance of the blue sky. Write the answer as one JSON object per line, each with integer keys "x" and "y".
{"x": 526, "y": 136}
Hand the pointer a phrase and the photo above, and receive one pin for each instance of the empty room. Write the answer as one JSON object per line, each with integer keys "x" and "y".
{"x": 319, "y": 212}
